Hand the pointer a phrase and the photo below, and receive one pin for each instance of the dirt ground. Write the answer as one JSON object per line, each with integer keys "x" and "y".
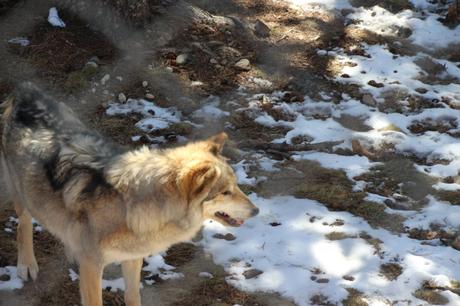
{"x": 142, "y": 61}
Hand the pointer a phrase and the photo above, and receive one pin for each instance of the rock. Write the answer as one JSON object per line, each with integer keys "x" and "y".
{"x": 95, "y": 59}
{"x": 252, "y": 273}
{"x": 145, "y": 84}
{"x": 105, "y": 79}
{"x": 243, "y": 64}
{"x": 181, "y": 59}
{"x": 169, "y": 69}
{"x": 149, "y": 96}
{"x": 92, "y": 64}
{"x": 119, "y": 78}
{"x": 345, "y": 76}
{"x": 322, "y": 280}
{"x": 228, "y": 236}
{"x": 348, "y": 278}
{"x": 373, "y": 83}
{"x": 261, "y": 29}
{"x": 456, "y": 243}
{"x": 122, "y": 97}
{"x": 369, "y": 100}
{"x": 421, "y": 90}
{"x": 213, "y": 61}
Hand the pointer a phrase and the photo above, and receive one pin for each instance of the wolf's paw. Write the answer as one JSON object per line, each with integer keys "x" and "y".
{"x": 26, "y": 269}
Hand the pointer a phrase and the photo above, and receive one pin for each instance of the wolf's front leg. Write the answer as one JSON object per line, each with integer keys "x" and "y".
{"x": 27, "y": 264}
{"x": 90, "y": 283}
{"x": 132, "y": 276}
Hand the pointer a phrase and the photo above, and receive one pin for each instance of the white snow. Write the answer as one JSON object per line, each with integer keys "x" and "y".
{"x": 154, "y": 117}
{"x": 13, "y": 282}
{"x": 205, "y": 275}
{"x": 54, "y": 19}
{"x": 290, "y": 253}
{"x": 352, "y": 165}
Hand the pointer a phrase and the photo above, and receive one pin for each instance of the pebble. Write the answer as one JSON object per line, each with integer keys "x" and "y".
{"x": 119, "y": 78}
{"x": 181, "y": 59}
{"x": 92, "y": 64}
{"x": 243, "y": 64}
{"x": 169, "y": 69}
{"x": 228, "y": 236}
{"x": 213, "y": 61}
{"x": 105, "y": 79}
{"x": 369, "y": 100}
{"x": 149, "y": 96}
{"x": 145, "y": 84}
{"x": 252, "y": 273}
{"x": 122, "y": 97}
{"x": 261, "y": 29}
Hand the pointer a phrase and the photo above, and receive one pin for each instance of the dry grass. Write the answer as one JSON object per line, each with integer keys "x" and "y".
{"x": 391, "y": 270}
{"x": 433, "y": 297}
{"x": 217, "y": 291}
{"x": 58, "y": 52}
{"x": 354, "y": 298}
{"x": 180, "y": 254}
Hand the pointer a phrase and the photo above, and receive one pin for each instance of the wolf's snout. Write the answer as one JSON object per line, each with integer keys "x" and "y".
{"x": 254, "y": 212}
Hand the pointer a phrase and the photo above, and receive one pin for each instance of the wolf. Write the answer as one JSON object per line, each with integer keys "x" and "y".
{"x": 106, "y": 203}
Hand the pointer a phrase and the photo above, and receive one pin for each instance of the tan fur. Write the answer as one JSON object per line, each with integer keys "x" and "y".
{"x": 155, "y": 198}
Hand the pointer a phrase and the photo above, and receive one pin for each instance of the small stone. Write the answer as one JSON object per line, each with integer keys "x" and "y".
{"x": 105, "y": 79}
{"x": 373, "y": 83}
{"x": 243, "y": 64}
{"x": 92, "y": 64}
{"x": 252, "y": 273}
{"x": 4, "y": 277}
{"x": 313, "y": 278}
{"x": 456, "y": 243}
{"x": 145, "y": 84}
{"x": 95, "y": 59}
{"x": 322, "y": 280}
{"x": 213, "y": 61}
{"x": 169, "y": 69}
{"x": 122, "y": 97}
{"x": 348, "y": 278}
{"x": 369, "y": 100}
{"x": 261, "y": 29}
{"x": 228, "y": 236}
{"x": 119, "y": 78}
{"x": 421, "y": 90}
{"x": 345, "y": 76}
{"x": 149, "y": 96}
{"x": 181, "y": 59}
{"x": 275, "y": 224}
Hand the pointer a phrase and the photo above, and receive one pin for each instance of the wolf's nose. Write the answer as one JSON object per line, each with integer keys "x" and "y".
{"x": 254, "y": 212}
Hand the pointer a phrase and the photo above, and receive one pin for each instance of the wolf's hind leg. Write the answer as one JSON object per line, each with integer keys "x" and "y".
{"x": 27, "y": 264}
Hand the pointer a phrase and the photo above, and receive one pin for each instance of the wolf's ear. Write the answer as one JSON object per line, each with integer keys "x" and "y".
{"x": 197, "y": 181}
{"x": 216, "y": 143}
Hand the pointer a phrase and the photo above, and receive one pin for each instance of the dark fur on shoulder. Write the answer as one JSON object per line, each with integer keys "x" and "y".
{"x": 64, "y": 146}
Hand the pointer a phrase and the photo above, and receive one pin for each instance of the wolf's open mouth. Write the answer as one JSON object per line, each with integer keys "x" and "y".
{"x": 227, "y": 219}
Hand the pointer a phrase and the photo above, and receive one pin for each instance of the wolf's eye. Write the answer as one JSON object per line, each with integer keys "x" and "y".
{"x": 227, "y": 192}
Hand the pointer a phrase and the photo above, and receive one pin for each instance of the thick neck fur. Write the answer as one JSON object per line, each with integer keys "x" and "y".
{"x": 148, "y": 181}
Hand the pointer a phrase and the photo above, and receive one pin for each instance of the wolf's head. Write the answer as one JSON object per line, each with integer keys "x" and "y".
{"x": 211, "y": 184}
